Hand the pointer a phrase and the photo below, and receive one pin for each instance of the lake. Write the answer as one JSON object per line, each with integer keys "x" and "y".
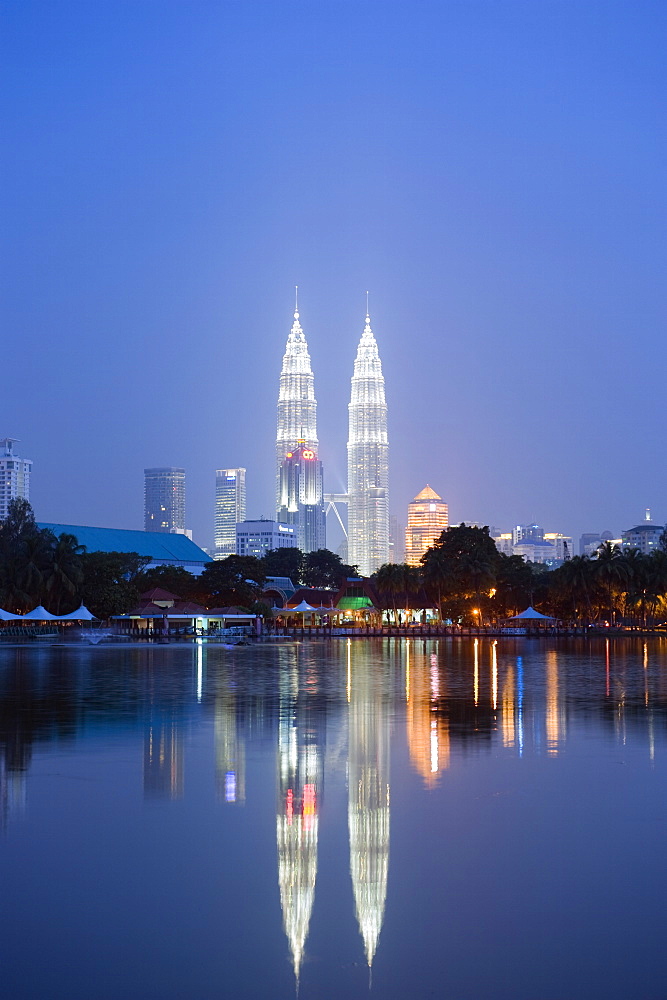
{"x": 456, "y": 818}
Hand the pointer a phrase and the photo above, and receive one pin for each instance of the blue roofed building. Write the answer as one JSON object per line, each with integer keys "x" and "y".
{"x": 162, "y": 548}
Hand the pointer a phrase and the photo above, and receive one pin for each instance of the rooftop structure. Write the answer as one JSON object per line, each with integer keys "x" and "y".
{"x": 163, "y": 549}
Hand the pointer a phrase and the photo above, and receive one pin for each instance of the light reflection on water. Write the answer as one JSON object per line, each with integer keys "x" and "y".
{"x": 446, "y": 813}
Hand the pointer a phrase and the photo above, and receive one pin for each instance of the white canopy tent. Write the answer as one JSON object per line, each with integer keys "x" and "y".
{"x": 8, "y": 616}
{"x": 530, "y": 614}
{"x": 81, "y": 614}
{"x": 39, "y": 614}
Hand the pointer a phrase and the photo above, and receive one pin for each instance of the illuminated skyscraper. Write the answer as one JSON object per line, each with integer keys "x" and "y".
{"x": 230, "y": 509}
{"x": 368, "y": 460}
{"x": 164, "y": 499}
{"x": 299, "y": 492}
{"x": 428, "y": 517}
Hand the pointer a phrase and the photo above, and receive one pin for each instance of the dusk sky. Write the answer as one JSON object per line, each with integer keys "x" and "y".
{"x": 493, "y": 172}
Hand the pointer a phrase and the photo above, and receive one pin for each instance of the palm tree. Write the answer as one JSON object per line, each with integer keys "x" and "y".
{"x": 611, "y": 570}
{"x": 64, "y": 575}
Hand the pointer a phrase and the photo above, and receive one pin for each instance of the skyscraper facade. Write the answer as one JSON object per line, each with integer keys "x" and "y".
{"x": 428, "y": 517}
{"x": 299, "y": 489}
{"x": 14, "y": 475}
{"x": 368, "y": 460}
{"x": 164, "y": 500}
{"x": 230, "y": 509}
{"x": 301, "y": 497}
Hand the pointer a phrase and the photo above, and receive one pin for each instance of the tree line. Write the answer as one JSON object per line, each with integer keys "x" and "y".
{"x": 466, "y": 578}
{"x": 38, "y": 567}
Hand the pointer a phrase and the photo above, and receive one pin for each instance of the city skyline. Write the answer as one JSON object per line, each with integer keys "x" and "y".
{"x": 493, "y": 173}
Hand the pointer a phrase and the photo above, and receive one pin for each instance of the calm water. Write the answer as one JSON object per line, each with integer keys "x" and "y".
{"x": 469, "y": 819}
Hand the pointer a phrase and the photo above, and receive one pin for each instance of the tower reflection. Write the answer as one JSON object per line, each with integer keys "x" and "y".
{"x": 368, "y": 796}
{"x": 427, "y": 727}
{"x": 299, "y": 788}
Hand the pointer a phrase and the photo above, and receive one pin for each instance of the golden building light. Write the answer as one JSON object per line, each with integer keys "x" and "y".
{"x": 428, "y": 517}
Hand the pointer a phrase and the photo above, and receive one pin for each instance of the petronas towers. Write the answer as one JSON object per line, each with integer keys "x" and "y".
{"x": 299, "y": 475}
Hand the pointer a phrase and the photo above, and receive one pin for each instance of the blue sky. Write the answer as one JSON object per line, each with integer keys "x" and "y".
{"x": 493, "y": 172}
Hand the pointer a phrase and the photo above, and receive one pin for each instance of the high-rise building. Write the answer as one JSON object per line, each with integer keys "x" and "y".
{"x": 299, "y": 477}
{"x": 230, "y": 509}
{"x": 428, "y": 517}
{"x": 14, "y": 475}
{"x": 301, "y": 492}
{"x": 368, "y": 460}
{"x": 164, "y": 500}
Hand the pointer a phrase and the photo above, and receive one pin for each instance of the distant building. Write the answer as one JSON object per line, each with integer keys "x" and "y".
{"x": 256, "y": 538}
{"x": 528, "y": 533}
{"x": 428, "y": 517}
{"x": 230, "y": 509}
{"x": 590, "y": 541}
{"x": 396, "y": 541}
{"x": 14, "y": 475}
{"x": 164, "y": 500}
{"x": 645, "y": 537}
{"x": 174, "y": 549}
{"x": 549, "y": 548}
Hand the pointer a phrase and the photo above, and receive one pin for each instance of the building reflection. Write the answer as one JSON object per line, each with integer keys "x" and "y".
{"x": 299, "y": 783}
{"x": 368, "y": 795}
{"x": 427, "y": 727}
{"x": 229, "y": 741}
{"x": 163, "y": 757}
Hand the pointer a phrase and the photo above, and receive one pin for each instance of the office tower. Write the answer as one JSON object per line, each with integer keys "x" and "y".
{"x": 14, "y": 475}
{"x": 368, "y": 460}
{"x": 256, "y": 538}
{"x": 428, "y": 517}
{"x": 230, "y": 509}
{"x": 301, "y": 498}
{"x": 164, "y": 500}
{"x": 299, "y": 493}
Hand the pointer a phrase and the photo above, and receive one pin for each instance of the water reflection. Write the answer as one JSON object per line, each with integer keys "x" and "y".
{"x": 263, "y": 727}
{"x": 299, "y": 789}
{"x": 368, "y": 796}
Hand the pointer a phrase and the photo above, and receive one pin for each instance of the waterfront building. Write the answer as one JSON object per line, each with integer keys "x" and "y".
{"x": 230, "y": 509}
{"x": 299, "y": 477}
{"x": 368, "y": 460}
{"x": 164, "y": 500}
{"x": 428, "y": 517}
{"x": 256, "y": 538}
{"x": 14, "y": 475}
{"x": 175, "y": 549}
{"x": 301, "y": 497}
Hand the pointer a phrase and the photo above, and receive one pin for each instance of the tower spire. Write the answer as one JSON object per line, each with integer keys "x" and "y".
{"x": 296, "y": 302}
{"x": 368, "y": 315}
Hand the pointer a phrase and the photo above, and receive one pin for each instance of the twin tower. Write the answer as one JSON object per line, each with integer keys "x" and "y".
{"x": 300, "y": 497}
